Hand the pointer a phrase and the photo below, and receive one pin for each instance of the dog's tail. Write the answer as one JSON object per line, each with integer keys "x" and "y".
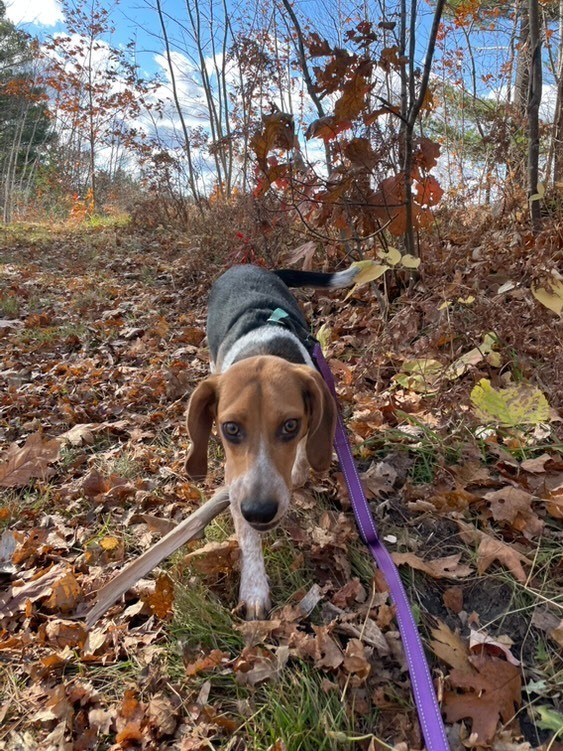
{"x": 335, "y": 280}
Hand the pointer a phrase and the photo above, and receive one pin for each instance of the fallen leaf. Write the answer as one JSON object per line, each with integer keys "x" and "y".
{"x": 490, "y": 549}
{"x": 551, "y": 298}
{"x": 162, "y": 715}
{"x": 448, "y": 567}
{"x": 513, "y": 505}
{"x": 31, "y": 461}
{"x": 215, "y": 557}
{"x": 15, "y": 598}
{"x": 355, "y": 659}
{"x": 129, "y": 719}
{"x": 450, "y": 648}
{"x": 66, "y": 593}
{"x": 491, "y": 693}
{"x": 256, "y": 665}
{"x": 208, "y": 662}
{"x": 521, "y": 404}
{"x": 160, "y": 601}
{"x": 421, "y": 375}
{"x": 453, "y": 599}
{"x": 378, "y": 480}
{"x": 473, "y": 357}
{"x": 549, "y": 719}
{"x": 549, "y": 623}
{"x": 495, "y": 646}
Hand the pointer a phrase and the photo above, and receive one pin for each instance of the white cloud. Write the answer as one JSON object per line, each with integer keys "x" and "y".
{"x": 39, "y": 12}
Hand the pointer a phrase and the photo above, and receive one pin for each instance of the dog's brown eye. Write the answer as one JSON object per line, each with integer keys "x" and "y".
{"x": 290, "y": 427}
{"x": 231, "y": 431}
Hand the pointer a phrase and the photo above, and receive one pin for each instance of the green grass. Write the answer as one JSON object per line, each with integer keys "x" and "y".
{"x": 296, "y": 708}
{"x": 50, "y": 334}
{"x": 300, "y": 712}
{"x": 201, "y": 621}
{"x": 9, "y": 305}
{"x": 18, "y": 501}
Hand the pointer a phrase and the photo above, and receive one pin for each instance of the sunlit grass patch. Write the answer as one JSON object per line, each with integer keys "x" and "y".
{"x": 9, "y": 305}
{"x": 50, "y": 334}
{"x": 16, "y": 503}
{"x": 201, "y": 620}
{"x": 301, "y": 711}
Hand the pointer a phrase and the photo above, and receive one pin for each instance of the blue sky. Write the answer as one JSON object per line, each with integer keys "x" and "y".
{"x": 133, "y": 19}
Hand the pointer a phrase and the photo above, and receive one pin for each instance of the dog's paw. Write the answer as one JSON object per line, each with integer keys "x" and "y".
{"x": 254, "y": 610}
{"x": 254, "y": 602}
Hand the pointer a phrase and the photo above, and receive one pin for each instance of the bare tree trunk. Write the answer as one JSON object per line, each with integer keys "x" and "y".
{"x": 194, "y": 15}
{"x": 307, "y": 74}
{"x": 555, "y": 157}
{"x": 187, "y": 144}
{"x": 534, "y": 100}
{"x": 521, "y": 91}
{"x": 415, "y": 103}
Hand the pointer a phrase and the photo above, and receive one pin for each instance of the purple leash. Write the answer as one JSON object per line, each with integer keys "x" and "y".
{"x": 421, "y": 681}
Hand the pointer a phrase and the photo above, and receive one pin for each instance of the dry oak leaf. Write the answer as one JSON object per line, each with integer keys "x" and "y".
{"x": 256, "y": 665}
{"x": 355, "y": 659}
{"x": 500, "y": 646}
{"x": 163, "y": 715}
{"x": 209, "y": 662}
{"x": 548, "y": 623}
{"x": 160, "y": 601}
{"x": 513, "y": 505}
{"x": 490, "y": 549}
{"x": 31, "y": 461}
{"x": 327, "y": 128}
{"x": 448, "y": 567}
{"x": 215, "y": 557}
{"x": 130, "y": 719}
{"x": 65, "y": 595}
{"x": 490, "y": 694}
{"x": 450, "y": 648}
{"x": 554, "y": 502}
{"x": 57, "y": 707}
{"x": 453, "y": 599}
{"x": 16, "y": 599}
{"x": 62, "y": 633}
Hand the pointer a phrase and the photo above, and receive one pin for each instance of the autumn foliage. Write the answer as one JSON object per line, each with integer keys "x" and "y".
{"x": 363, "y": 190}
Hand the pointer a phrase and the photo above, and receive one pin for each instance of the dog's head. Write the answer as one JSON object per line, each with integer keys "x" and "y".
{"x": 264, "y": 407}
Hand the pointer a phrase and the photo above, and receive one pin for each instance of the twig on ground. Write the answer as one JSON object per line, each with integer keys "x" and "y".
{"x": 177, "y": 537}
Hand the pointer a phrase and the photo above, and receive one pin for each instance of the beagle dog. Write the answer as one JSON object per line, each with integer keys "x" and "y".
{"x": 274, "y": 414}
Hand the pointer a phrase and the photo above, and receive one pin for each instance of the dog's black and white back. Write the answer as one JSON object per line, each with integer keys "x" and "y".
{"x": 241, "y": 305}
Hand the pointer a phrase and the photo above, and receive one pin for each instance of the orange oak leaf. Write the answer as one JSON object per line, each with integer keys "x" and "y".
{"x": 327, "y": 128}
{"x": 210, "y": 661}
{"x": 161, "y": 600}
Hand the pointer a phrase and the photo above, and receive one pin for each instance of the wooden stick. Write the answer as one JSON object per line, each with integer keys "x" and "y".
{"x": 140, "y": 566}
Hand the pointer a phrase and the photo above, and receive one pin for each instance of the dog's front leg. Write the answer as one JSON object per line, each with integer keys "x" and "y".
{"x": 254, "y": 596}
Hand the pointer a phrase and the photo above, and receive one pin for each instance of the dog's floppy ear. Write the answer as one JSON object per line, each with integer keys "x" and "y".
{"x": 322, "y": 420}
{"x": 201, "y": 412}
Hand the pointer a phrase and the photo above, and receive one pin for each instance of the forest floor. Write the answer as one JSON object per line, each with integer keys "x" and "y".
{"x": 453, "y": 395}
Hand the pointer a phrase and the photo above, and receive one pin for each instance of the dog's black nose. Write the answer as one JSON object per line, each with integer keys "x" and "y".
{"x": 259, "y": 512}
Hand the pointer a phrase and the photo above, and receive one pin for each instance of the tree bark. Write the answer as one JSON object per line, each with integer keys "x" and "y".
{"x": 415, "y": 103}
{"x": 534, "y": 100}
